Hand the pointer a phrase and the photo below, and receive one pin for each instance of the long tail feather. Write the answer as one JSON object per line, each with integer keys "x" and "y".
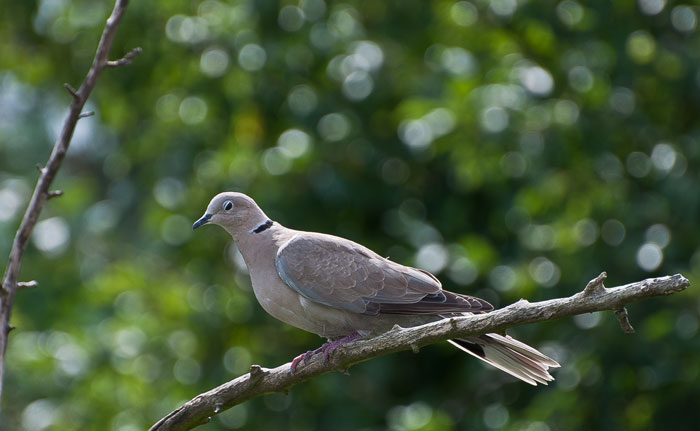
{"x": 509, "y": 355}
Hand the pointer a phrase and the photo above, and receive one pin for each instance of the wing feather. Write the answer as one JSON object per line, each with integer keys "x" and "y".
{"x": 343, "y": 274}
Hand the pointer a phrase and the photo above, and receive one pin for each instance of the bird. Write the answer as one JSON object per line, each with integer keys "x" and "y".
{"x": 342, "y": 291}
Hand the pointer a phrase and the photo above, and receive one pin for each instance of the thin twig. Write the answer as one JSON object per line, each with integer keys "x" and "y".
{"x": 10, "y": 284}
{"x": 54, "y": 194}
{"x": 126, "y": 59}
{"x": 595, "y": 285}
{"x": 624, "y": 320}
{"x": 27, "y": 284}
{"x": 252, "y": 385}
{"x": 73, "y": 92}
{"x": 86, "y": 114}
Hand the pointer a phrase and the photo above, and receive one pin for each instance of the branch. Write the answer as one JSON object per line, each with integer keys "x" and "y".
{"x": 126, "y": 59}
{"x": 41, "y": 194}
{"x": 27, "y": 284}
{"x": 261, "y": 381}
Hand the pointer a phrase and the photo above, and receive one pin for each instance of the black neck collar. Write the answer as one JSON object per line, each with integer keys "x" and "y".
{"x": 263, "y": 227}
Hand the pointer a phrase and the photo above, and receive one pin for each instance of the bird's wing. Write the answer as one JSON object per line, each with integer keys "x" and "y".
{"x": 345, "y": 275}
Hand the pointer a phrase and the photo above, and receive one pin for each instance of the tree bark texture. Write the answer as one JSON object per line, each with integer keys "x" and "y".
{"x": 260, "y": 381}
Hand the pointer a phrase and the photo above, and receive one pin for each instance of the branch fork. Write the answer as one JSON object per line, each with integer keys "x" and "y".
{"x": 596, "y": 287}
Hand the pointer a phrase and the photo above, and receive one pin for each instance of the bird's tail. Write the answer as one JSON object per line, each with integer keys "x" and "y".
{"x": 509, "y": 355}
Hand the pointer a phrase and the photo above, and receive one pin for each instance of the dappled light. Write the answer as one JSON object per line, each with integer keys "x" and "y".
{"x": 515, "y": 149}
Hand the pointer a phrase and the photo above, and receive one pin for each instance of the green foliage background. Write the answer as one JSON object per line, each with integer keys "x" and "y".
{"x": 515, "y": 148}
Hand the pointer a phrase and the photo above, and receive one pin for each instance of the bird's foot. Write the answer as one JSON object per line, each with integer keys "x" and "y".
{"x": 304, "y": 357}
{"x": 327, "y": 349}
{"x": 330, "y": 347}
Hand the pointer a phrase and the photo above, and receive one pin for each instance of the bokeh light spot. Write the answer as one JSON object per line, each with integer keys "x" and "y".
{"x": 432, "y": 257}
{"x": 586, "y": 232}
{"x": 622, "y": 100}
{"x": 651, "y": 7}
{"x": 187, "y": 371}
{"x": 658, "y": 234}
{"x": 193, "y": 110}
{"x": 570, "y": 12}
{"x": 536, "y": 80}
{"x": 503, "y": 278}
{"x": 334, "y": 127}
{"x": 214, "y": 62}
{"x": 291, "y": 18}
{"x": 358, "y": 85}
{"x": 641, "y": 47}
{"x": 613, "y": 232}
{"x": 252, "y": 57}
{"x": 169, "y": 192}
{"x": 51, "y": 236}
{"x": 463, "y": 271}
{"x": 39, "y": 415}
{"x": 167, "y": 107}
{"x": 302, "y": 99}
{"x": 464, "y": 13}
{"x": 581, "y": 79}
{"x": 295, "y": 142}
{"x": 276, "y": 161}
{"x": 176, "y": 229}
{"x": 684, "y": 19}
{"x": 663, "y": 157}
{"x": 649, "y": 257}
{"x": 587, "y": 320}
{"x": 544, "y": 272}
{"x": 494, "y": 119}
{"x": 495, "y": 416}
{"x": 638, "y": 164}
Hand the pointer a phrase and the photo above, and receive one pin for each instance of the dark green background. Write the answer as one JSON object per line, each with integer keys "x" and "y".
{"x": 515, "y": 148}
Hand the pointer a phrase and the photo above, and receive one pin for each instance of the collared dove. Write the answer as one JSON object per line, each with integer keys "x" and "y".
{"x": 341, "y": 290}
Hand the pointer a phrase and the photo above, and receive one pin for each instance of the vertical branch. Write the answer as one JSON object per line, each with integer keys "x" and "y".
{"x": 10, "y": 282}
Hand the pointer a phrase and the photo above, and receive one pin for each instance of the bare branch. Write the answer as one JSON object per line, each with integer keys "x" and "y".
{"x": 10, "y": 285}
{"x": 73, "y": 92}
{"x": 261, "y": 381}
{"x": 126, "y": 59}
{"x": 54, "y": 194}
{"x": 86, "y": 114}
{"x": 27, "y": 284}
{"x": 624, "y": 320}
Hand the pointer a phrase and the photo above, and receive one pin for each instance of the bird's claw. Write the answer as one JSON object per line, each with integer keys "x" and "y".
{"x": 304, "y": 357}
{"x": 327, "y": 349}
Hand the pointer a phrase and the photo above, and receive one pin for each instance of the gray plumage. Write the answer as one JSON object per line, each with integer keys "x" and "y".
{"x": 335, "y": 287}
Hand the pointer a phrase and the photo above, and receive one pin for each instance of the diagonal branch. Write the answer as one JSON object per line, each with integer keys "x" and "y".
{"x": 10, "y": 284}
{"x": 261, "y": 381}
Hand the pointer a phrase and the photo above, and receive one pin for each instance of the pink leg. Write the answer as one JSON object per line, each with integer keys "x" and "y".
{"x": 304, "y": 357}
{"x": 327, "y": 349}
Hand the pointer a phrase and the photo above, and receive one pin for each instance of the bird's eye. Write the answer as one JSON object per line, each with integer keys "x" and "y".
{"x": 228, "y": 206}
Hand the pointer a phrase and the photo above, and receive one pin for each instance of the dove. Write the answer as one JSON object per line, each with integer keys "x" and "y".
{"x": 341, "y": 290}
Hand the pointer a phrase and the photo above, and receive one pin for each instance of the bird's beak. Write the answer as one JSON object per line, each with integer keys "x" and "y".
{"x": 202, "y": 221}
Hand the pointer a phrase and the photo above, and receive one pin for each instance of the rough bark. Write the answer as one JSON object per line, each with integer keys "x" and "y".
{"x": 261, "y": 381}
{"x": 10, "y": 283}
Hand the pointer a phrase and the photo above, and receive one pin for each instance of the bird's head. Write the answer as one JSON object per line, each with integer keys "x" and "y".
{"x": 233, "y": 211}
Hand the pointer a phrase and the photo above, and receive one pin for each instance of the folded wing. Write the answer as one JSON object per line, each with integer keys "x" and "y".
{"x": 343, "y": 274}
